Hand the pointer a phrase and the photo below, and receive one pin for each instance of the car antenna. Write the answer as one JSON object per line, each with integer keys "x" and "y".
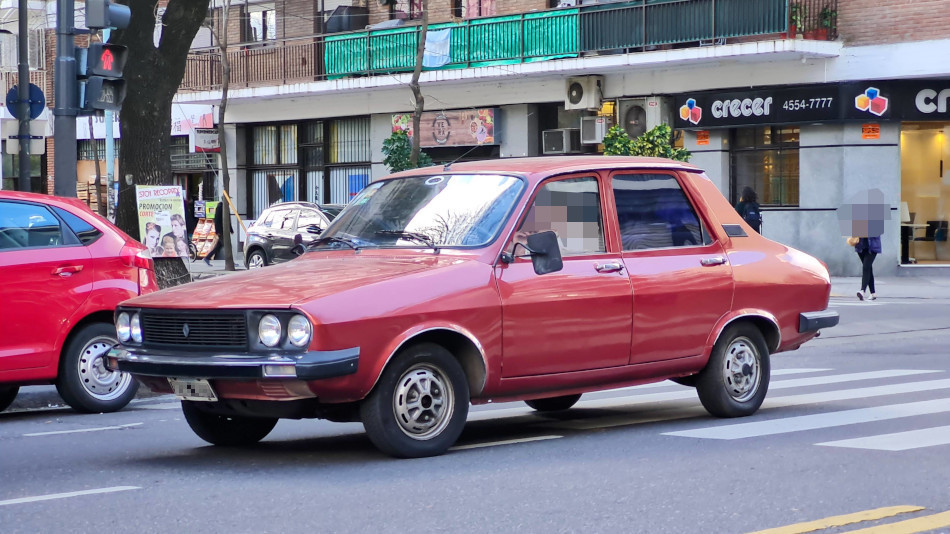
{"x": 447, "y": 166}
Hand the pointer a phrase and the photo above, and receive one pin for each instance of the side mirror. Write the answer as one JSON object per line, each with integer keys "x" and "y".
{"x": 314, "y": 229}
{"x": 298, "y": 249}
{"x": 545, "y": 252}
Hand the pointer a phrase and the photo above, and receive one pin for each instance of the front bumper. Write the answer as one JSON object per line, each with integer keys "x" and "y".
{"x": 313, "y": 365}
{"x": 814, "y": 321}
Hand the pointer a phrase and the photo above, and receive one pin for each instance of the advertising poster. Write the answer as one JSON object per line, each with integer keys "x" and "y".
{"x": 452, "y": 128}
{"x": 162, "y": 219}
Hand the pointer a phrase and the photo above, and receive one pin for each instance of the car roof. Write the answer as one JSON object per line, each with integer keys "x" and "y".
{"x": 542, "y": 167}
{"x": 62, "y": 202}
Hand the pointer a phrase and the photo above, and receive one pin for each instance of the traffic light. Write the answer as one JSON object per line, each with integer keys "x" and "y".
{"x": 99, "y": 67}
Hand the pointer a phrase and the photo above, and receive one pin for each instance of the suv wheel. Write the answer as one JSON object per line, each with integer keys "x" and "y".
{"x": 256, "y": 260}
{"x": 84, "y": 382}
{"x": 736, "y": 378}
{"x": 419, "y": 405}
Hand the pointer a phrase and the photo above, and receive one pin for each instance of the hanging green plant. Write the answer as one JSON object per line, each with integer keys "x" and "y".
{"x": 657, "y": 143}
{"x": 396, "y": 150}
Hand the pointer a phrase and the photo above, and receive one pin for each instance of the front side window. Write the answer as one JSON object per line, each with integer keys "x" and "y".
{"x": 28, "y": 226}
{"x": 437, "y": 211}
{"x": 653, "y": 212}
{"x": 308, "y": 217}
{"x": 766, "y": 159}
{"x": 571, "y": 208}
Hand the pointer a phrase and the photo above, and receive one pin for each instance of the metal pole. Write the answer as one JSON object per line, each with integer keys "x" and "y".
{"x": 64, "y": 136}
{"x": 23, "y": 106}
{"x": 110, "y": 147}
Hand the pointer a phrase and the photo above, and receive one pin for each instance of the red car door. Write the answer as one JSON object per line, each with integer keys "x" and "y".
{"x": 574, "y": 319}
{"x": 681, "y": 279}
{"x": 47, "y": 276}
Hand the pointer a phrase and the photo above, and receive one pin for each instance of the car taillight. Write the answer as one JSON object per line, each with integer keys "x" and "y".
{"x": 142, "y": 261}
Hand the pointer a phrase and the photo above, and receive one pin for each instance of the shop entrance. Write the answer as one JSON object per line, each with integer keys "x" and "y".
{"x": 925, "y": 192}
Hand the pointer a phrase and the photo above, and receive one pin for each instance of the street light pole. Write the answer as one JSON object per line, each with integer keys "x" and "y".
{"x": 23, "y": 106}
{"x": 65, "y": 111}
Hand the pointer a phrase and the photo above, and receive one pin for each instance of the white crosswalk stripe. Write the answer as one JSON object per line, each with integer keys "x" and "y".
{"x": 897, "y": 441}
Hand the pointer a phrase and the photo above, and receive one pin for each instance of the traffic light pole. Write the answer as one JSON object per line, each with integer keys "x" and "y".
{"x": 23, "y": 111}
{"x": 65, "y": 111}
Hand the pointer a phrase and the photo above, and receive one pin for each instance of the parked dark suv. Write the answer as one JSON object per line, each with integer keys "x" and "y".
{"x": 273, "y": 235}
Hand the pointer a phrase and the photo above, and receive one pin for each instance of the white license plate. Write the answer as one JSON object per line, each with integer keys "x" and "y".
{"x": 193, "y": 389}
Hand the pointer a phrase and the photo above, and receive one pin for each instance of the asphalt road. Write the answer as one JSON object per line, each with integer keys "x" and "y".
{"x": 857, "y": 420}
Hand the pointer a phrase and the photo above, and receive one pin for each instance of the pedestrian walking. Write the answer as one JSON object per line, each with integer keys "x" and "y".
{"x": 218, "y": 230}
{"x": 867, "y": 248}
{"x": 748, "y": 208}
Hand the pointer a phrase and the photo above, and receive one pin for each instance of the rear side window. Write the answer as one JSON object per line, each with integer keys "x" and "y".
{"x": 28, "y": 226}
{"x": 86, "y": 232}
{"x": 653, "y": 212}
{"x": 268, "y": 219}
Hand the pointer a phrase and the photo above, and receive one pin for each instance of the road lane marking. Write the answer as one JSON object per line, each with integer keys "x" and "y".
{"x": 67, "y": 495}
{"x": 502, "y": 442}
{"x": 897, "y": 441}
{"x": 117, "y": 427}
{"x": 841, "y": 520}
{"x": 815, "y": 421}
{"x": 926, "y": 523}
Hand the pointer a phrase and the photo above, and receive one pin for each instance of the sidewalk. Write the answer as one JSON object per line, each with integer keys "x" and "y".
{"x": 200, "y": 270}
{"x": 914, "y": 287}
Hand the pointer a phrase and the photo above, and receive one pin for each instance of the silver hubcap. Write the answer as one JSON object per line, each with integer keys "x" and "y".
{"x": 741, "y": 371}
{"x": 256, "y": 262}
{"x": 423, "y": 402}
{"x": 98, "y": 381}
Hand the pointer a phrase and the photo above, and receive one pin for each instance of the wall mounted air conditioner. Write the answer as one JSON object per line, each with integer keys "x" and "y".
{"x": 584, "y": 92}
{"x": 593, "y": 129}
{"x": 638, "y": 115}
{"x": 561, "y": 141}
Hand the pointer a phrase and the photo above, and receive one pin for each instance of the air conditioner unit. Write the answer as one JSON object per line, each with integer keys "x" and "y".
{"x": 593, "y": 129}
{"x": 584, "y": 92}
{"x": 561, "y": 141}
{"x": 638, "y": 115}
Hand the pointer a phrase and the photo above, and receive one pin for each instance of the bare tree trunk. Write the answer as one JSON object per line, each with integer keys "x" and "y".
{"x": 420, "y": 101}
{"x": 100, "y": 206}
{"x": 222, "y": 139}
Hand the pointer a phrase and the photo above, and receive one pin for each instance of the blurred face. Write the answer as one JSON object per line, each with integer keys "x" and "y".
{"x": 151, "y": 238}
{"x": 182, "y": 248}
{"x": 168, "y": 244}
{"x": 178, "y": 229}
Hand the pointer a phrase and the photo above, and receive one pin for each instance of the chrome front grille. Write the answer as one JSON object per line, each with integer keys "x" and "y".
{"x": 200, "y": 330}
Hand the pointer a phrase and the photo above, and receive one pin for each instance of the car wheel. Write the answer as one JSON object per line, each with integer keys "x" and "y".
{"x": 736, "y": 378}
{"x": 553, "y": 404}
{"x": 419, "y": 405}
{"x": 686, "y": 380}
{"x": 256, "y": 260}
{"x": 7, "y": 394}
{"x": 84, "y": 382}
{"x": 226, "y": 430}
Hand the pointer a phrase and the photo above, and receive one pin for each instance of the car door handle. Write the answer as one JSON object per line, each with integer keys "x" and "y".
{"x": 66, "y": 270}
{"x": 608, "y": 267}
{"x": 709, "y": 262}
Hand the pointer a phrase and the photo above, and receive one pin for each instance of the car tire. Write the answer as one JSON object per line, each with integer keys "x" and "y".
{"x": 256, "y": 260}
{"x": 689, "y": 381}
{"x": 553, "y": 404}
{"x": 84, "y": 382}
{"x": 419, "y": 406}
{"x": 226, "y": 430}
{"x": 736, "y": 378}
{"x": 7, "y": 395}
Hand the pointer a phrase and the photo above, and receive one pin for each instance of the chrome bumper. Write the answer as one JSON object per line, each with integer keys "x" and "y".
{"x": 313, "y": 365}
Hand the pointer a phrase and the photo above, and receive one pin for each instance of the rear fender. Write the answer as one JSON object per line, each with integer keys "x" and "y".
{"x": 763, "y": 320}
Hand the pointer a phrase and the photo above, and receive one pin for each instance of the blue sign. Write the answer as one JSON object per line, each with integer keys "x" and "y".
{"x": 37, "y": 101}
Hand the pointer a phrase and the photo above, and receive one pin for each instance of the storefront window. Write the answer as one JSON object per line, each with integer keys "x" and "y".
{"x": 766, "y": 159}
{"x": 11, "y": 170}
{"x": 925, "y": 191}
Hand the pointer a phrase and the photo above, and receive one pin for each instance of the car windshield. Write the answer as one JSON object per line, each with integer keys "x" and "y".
{"x": 430, "y": 211}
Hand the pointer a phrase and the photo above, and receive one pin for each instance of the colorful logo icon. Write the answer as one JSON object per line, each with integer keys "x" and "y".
{"x": 691, "y": 112}
{"x": 871, "y": 101}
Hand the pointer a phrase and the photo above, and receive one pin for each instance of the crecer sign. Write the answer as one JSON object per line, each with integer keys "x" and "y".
{"x": 881, "y": 100}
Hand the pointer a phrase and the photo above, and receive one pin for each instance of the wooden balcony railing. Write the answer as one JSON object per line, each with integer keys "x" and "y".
{"x": 630, "y": 26}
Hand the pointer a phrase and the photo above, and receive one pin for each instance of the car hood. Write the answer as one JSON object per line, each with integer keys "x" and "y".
{"x": 281, "y": 286}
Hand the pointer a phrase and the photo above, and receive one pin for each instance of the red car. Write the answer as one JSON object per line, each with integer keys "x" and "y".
{"x": 64, "y": 270}
{"x": 534, "y": 279}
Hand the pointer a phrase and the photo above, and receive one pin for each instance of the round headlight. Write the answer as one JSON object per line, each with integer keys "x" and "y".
{"x": 135, "y": 328}
{"x": 269, "y": 330}
{"x": 299, "y": 330}
{"x": 122, "y": 327}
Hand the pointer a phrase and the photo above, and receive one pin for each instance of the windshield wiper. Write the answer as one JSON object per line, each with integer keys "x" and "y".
{"x": 415, "y": 236}
{"x": 334, "y": 239}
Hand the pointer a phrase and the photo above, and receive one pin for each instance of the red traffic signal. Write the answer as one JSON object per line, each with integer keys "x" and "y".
{"x": 106, "y": 60}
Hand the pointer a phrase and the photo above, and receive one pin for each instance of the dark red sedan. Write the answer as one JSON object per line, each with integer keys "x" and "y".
{"x": 64, "y": 270}
{"x": 533, "y": 280}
